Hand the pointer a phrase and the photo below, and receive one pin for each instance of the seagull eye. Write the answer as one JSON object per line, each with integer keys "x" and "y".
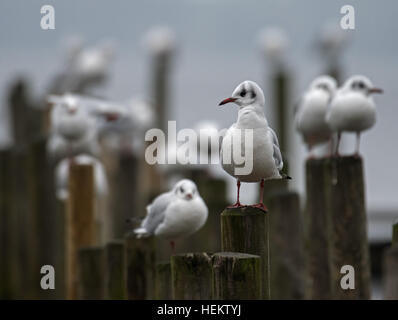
{"x": 243, "y": 93}
{"x": 361, "y": 85}
{"x": 182, "y": 190}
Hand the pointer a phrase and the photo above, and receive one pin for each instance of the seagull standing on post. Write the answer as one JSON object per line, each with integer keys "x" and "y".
{"x": 264, "y": 150}
{"x": 353, "y": 109}
{"x": 311, "y": 110}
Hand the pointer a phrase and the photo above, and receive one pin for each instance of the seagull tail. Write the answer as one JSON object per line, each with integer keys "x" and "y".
{"x": 286, "y": 177}
{"x": 141, "y": 233}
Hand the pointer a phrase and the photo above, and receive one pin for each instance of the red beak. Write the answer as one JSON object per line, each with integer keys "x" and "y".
{"x": 228, "y": 100}
{"x": 111, "y": 117}
{"x": 375, "y": 90}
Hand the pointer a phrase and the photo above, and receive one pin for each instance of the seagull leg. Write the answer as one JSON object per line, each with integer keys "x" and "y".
{"x": 338, "y": 144}
{"x": 173, "y": 247}
{"x": 237, "y": 204}
{"x": 356, "y": 155}
{"x": 261, "y": 204}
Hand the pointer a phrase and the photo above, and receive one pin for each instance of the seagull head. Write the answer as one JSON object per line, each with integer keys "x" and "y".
{"x": 361, "y": 84}
{"x": 186, "y": 189}
{"x": 246, "y": 94}
{"x": 325, "y": 83}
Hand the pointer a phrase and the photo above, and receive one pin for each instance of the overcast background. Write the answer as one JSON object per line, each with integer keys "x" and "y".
{"x": 216, "y": 51}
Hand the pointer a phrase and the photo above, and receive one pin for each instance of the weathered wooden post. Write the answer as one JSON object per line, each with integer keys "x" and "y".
{"x": 41, "y": 196}
{"x": 191, "y": 276}
{"x": 286, "y": 251}
{"x": 140, "y": 267}
{"x": 346, "y": 213}
{"x": 81, "y": 228}
{"x": 9, "y": 265}
{"x": 124, "y": 193}
{"x": 245, "y": 230}
{"x": 391, "y": 267}
{"x": 236, "y": 276}
{"x": 60, "y": 249}
{"x": 116, "y": 271}
{"x": 163, "y": 281}
{"x": 318, "y": 285}
{"x": 91, "y": 273}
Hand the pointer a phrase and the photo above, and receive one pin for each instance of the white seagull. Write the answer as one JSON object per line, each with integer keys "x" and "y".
{"x": 174, "y": 214}
{"x": 311, "y": 110}
{"x": 353, "y": 109}
{"x": 73, "y": 130}
{"x": 262, "y": 154}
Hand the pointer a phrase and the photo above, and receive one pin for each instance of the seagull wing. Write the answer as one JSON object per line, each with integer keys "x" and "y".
{"x": 155, "y": 214}
{"x": 277, "y": 152}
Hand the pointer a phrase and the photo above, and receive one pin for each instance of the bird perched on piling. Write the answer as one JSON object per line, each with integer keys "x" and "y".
{"x": 259, "y": 143}
{"x": 311, "y": 110}
{"x": 73, "y": 130}
{"x": 174, "y": 214}
{"x": 352, "y": 109}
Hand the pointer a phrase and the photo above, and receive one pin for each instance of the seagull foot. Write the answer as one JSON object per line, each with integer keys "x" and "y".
{"x": 260, "y": 206}
{"x": 236, "y": 205}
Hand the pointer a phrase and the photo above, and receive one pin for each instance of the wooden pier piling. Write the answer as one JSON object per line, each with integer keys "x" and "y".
{"x": 318, "y": 285}
{"x": 390, "y": 267}
{"x": 140, "y": 255}
{"x": 286, "y": 247}
{"x": 191, "y": 276}
{"x": 80, "y": 227}
{"x": 163, "y": 286}
{"x": 245, "y": 230}
{"x": 91, "y": 273}
{"x": 116, "y": 271}
{"x": 236, "y": 276}
{"x": 347, "y": 222}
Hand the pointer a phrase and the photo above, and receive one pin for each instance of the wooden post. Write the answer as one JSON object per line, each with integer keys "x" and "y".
{"x": 163, "y": 281}
{"x": 140, "y": 267}
{"x": 80, "y": 219}
{"x": 123, "y": 193}
{"x": 41, "y": 196}
{"x": 395, "y": 233}
{"x": 391, "y": 267}
{"x": 116, "y": 272}
{"x": 346, "y": 212}
{"x": 318, "y": 285}
{"x": 286, "y": 252}
{"x": 60, "y": 249}
{"x": 236, "y": 276}
{"x": 91, "y": 273}
{"x": 246, "y": 230}
{"x": 9, "y": 265}
{"x": 191, "y": 276}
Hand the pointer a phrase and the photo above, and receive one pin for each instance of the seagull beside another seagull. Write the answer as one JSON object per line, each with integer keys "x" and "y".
{"x": 263, "y": 152}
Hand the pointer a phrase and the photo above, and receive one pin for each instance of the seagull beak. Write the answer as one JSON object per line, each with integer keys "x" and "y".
{"x": 375, "y": 90}
{"x": 228, "y": 100}
{"x": 189, "y": 196}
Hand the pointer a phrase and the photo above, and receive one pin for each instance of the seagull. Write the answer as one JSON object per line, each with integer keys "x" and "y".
{"x": 263, "y": 152}
{"x": 73, "y": 130}
{"x": 353, "y": 109}
{"x": 311, "y": 110}
{"x": 174, "y": 214}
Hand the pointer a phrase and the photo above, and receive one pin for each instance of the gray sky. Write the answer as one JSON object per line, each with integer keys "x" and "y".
{"x": 216, "y": 51}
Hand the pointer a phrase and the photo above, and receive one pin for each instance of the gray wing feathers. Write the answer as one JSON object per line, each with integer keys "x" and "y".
{"x": 155, "y": 212}
{"x": 277, "y": 152}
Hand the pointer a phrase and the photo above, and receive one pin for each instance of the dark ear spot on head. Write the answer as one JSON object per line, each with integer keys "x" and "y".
{"x": 253, "y": 94}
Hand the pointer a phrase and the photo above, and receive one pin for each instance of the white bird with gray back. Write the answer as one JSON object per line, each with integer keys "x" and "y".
{"x": 353, "y": 109}
{"x": 175, "y": 214}
{"x": 262, "y": 152}
{"x": 311, "y": 110}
